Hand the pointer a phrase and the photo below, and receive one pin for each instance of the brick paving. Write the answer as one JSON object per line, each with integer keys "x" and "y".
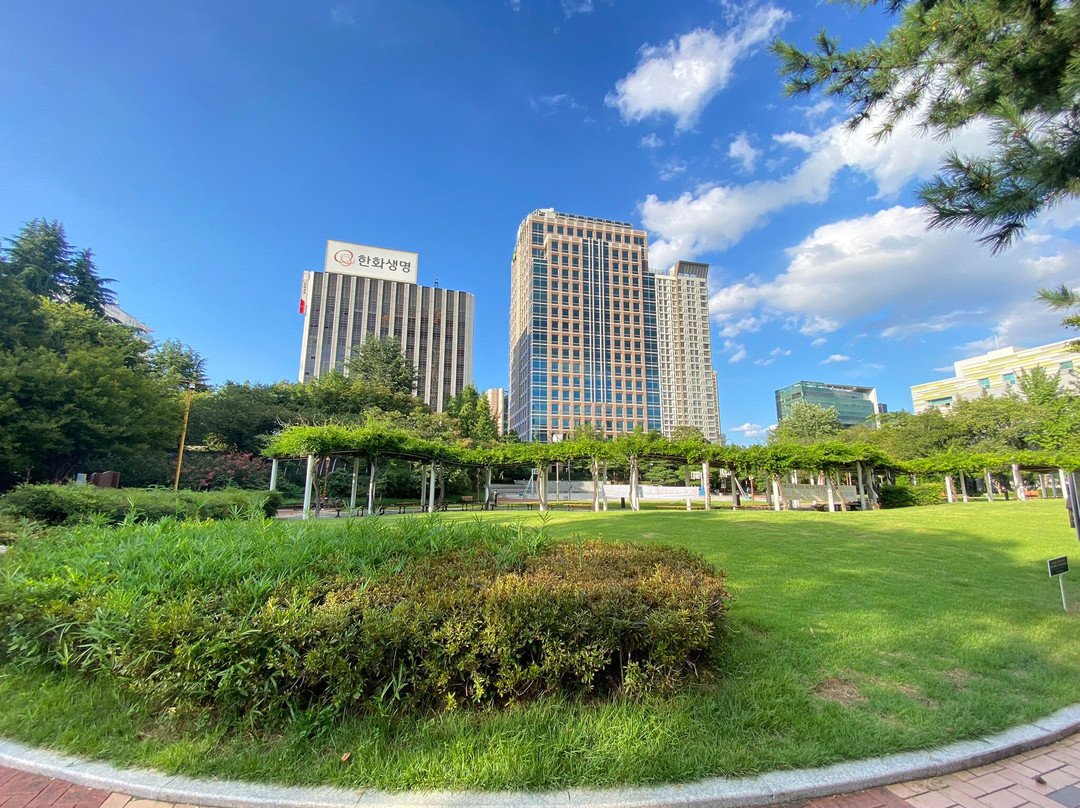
{"x": 1048, "y": 777}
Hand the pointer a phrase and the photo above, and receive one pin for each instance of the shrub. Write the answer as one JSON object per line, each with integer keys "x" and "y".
{"x": 213, "y": 471}
{"x": 60, "y": 504}
{"x": 903, "y": 496}
{"x": 265, "y": 618}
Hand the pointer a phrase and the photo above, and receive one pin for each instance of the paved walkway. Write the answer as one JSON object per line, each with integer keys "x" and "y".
{"x": 1048, "y": 777}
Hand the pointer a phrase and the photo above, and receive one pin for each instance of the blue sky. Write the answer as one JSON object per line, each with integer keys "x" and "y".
{"x": 206, "y": 151}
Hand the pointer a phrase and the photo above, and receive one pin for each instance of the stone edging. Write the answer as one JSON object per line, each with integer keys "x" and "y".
{"x": 717, "y": 792}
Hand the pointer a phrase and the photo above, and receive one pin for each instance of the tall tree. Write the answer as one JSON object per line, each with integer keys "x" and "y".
{"x": 807, "y": 424}
{"x": 471, "y": 416}
{"x": 950, "y": 62}
{"x": 79, "y": 386}
{"x": 178, "y": 365}
{"x": 1062, "y": 298}
{"x": 384, "y": 363}
{"x": 41, "y": 259}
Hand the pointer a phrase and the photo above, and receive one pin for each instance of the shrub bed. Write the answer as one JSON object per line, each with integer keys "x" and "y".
{"x": 71, "y": 504}
{"x": 264, "y": 619}
{"x": 903, "y": 496}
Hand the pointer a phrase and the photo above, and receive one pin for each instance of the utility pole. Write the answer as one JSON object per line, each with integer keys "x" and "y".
{"x": 183, "y": 435}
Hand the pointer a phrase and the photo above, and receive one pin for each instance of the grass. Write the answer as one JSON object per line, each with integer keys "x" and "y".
{"x": 856, "y": 634}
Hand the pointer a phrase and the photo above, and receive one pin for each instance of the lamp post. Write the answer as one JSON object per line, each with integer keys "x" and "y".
{"x": 183, "y": 435}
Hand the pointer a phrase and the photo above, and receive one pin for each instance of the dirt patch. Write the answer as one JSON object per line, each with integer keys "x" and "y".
{"x": 841, "y": 691}
{"x": 915, "y": 694}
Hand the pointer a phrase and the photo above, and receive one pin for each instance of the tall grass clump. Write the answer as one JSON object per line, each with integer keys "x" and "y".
{"x": 262, "y": 619}
{"x": 72, "y": 504}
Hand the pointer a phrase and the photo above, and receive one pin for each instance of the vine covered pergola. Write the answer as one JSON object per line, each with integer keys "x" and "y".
{"x": 861, "y": 462}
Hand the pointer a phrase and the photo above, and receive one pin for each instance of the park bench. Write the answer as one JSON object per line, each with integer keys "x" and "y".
{"x": 466, "y": 502}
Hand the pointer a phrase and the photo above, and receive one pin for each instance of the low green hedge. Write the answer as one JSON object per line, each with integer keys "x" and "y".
{"x": 69, "y": 504}
{"x": 262, "y": 619}
{"x": 903, "y": 496}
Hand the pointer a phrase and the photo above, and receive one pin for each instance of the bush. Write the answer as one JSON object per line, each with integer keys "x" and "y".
{"x": 262, "y": 619}
{"x": 68, "y": 504}
{"x": 903, "y": 496}
{"x": 213, "y": 471}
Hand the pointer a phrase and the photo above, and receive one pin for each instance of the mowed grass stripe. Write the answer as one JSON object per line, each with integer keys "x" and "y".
{"x": 856, "y": 634}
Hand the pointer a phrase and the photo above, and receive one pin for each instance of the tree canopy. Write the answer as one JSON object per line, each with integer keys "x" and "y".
{"x": 383, "y": 362}
{"x": 948, "y": 63}
{"x": 806, "y": 424}
{"x": 42, "y": 261}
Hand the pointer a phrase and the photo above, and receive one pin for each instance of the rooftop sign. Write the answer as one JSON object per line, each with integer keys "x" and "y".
{"x": 370, "y": 262}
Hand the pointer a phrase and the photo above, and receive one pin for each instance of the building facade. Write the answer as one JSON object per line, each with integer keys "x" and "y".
{"x": 996, "y": 374}
{"x": 496, "y": 399}
{"x": 368, "y": 291}
{"x": 854, "y": 405}
{"x": 688, "y": 394}
{"x": 583, "y": 333}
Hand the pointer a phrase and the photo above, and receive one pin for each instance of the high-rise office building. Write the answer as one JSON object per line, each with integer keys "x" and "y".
{"x": 688, "y": 395}
{"x": 854, "y": 405}
{"x": 996, "y": 374}
{"x": 582, "y": 328}
{"x": 369, "y": 291}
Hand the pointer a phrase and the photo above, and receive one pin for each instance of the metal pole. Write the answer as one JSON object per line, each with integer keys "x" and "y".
{"x": 308, "y": 482}
{"x": 273, "y": 474}
{"x": 1061, "y": 580}
{"x": 183, "y": 436}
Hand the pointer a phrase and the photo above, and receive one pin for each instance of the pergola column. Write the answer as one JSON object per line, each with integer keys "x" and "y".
{"x": 950, "y": 492}
{"x": 862, "y": 490}
{"x": 487, "y": 487}
{"x": 840, "y": 494}
{"x": 541, "y": 485}
{"x": 777, "y": 504}
{"x": 705, "y": 484}
{"x": 989, "y": 485}
{"x": 372, "y": 470}
{"x": 829, "y": 493}
{"x": 431, "y": 490}
{"x": 355, "y": 479}
{"x": 1018, "y": 483}
{"x": 603, "y": 484}
{"x": 273, "y": 474}
{"x": 963, "y": 486}
{"x": 308, "y": 483}
{"x": 594, "y": 468}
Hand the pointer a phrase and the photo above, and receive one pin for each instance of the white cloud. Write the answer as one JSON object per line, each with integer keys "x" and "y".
{"x": 680, "y": 77}
{"x": 342, "y": 14}
{"x": 572, "y": 7}
{"x": 737, "y": 351}
{"x": 732, "y": 328}
{"x": 818, "y": 342}
{"x": 834, "y": 358}
{"x": 751, "y": 431}
{"x": 651, "y": 141}
{"x": 672, "y": 169}
{"x": 549, "y": 104}
{"x": 913, "y": 281}
{"x": 764, "y": 362}
{"x": 778, "y": 351}
{"x": 743, "y": 153}
{"x": 716, "y": 216}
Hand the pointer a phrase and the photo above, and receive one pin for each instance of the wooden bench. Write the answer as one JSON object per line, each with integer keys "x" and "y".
{"x": 528, "y": 503}
{"x": 678, "y": 506}
{"x": 466, "y": 502}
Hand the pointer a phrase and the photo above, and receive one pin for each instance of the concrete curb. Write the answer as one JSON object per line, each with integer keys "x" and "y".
{"x": 717, "y": 792}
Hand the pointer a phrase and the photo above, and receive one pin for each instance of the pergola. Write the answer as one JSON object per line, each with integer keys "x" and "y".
{"x": 830, "y": 460}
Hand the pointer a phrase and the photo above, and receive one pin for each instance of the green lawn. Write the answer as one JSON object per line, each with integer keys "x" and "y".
{"x": 856, "y": 634}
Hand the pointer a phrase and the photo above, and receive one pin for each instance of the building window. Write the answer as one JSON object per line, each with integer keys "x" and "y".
{"x": 984, "y": 383}
{"x": 1008, "y": 378}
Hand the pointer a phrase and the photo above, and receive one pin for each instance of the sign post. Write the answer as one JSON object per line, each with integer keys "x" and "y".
{"x": 1058, "y": 567}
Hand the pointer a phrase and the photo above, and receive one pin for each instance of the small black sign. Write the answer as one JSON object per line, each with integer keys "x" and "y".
{"x": 1058, "y": 566}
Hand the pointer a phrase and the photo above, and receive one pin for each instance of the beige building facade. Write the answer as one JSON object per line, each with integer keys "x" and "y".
{"x": 351, "y": 300}
{"x": 997, "y": 373}
{"x": 496, "y": 400}
{"x": 583, "y": 330}
{"x": 688, "y": 392}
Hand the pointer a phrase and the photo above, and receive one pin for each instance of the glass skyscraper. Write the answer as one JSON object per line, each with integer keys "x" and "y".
{"x": 583, "y": 341}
